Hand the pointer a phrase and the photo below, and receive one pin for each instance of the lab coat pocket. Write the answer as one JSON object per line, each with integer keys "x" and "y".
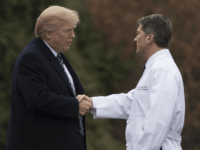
{"x": 141, "y": 103}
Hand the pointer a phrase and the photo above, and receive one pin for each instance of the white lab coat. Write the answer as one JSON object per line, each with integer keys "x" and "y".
{"x": 155, "y": 109}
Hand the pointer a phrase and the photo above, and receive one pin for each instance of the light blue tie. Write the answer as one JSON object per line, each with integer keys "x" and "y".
{"x": 60, "y": 60}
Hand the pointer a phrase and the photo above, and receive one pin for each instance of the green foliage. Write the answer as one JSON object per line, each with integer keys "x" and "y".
{"x": 196, "y": 148}
{"x": 99, "y": 136}
{"x": 99, "y": 69}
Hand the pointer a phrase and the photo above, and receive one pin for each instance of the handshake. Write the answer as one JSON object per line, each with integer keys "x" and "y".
{"x": 85, "y": 104}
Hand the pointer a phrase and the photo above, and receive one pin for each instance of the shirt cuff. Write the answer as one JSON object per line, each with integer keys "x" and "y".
{"x": 94, "y": 107}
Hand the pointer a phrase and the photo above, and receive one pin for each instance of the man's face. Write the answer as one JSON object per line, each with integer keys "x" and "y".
{"x": 140, "y": 40}
{"x": 62, "y": 38}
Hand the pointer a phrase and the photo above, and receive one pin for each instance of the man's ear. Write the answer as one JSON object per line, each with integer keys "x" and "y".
{"x": 47, "y": 34}
{"x": 150, "y": 38}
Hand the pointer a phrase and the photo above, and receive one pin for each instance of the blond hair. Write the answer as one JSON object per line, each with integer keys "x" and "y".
{"x": 52, "y": 17}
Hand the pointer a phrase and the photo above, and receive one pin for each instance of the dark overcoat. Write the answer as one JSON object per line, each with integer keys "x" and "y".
{"x": 44, "y": 111}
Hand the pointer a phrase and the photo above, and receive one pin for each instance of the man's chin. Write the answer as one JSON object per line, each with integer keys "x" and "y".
{"x": 66, "y": 49}
{"x": 140, "y": 53}
{"x": 137, "y": 52}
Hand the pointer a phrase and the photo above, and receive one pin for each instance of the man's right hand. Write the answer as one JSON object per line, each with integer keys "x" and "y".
{"x": 84, "y": 107}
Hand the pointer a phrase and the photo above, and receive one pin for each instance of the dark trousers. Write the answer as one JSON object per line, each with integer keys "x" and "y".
{"x": 161, "y": 148}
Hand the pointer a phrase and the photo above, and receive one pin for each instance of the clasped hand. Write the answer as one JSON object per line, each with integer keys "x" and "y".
{"x": 85, "y": 104}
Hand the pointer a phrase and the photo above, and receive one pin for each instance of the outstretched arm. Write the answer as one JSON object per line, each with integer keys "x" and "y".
{"x": 112, "y": 106}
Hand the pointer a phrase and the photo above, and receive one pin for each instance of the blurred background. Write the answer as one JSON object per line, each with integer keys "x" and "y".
{"x": 103, "y": 55}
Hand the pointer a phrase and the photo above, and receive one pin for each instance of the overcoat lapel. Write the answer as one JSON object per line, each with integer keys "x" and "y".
{"x": 54, "y": 62}
{"x": 78, "y": 87}
{"x": 59, "y": 69}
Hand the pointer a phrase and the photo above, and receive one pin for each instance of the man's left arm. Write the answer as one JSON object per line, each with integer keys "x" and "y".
{"x": 162, "y": 97}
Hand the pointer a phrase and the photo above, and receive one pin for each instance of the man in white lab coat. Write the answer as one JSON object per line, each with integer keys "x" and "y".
{"x": 155, "y": 108}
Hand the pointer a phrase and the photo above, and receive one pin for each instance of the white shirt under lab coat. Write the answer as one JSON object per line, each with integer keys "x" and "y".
{"x": 155, "y": 109}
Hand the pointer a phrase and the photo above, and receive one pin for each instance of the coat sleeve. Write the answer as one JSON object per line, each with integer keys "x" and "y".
{"x": 113, "y": 106}
{"x": 32, "y": 82}
{"x": 162, "y": 96}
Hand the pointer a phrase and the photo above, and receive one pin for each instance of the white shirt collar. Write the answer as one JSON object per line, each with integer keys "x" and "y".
{"x": 52, "y": 50}
{"x": 158, "y": 55}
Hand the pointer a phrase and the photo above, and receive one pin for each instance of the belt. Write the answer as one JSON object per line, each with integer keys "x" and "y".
{"x": 174, "y": 135}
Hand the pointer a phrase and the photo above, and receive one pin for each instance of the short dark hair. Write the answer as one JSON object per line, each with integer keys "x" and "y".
{"x": 158, "y": 25}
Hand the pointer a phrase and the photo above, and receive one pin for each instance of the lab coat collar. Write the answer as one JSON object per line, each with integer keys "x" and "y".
{"x": 158, "y": 55}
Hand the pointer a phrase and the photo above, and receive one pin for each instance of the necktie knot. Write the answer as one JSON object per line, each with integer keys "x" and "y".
{"x": 60, "y": 60}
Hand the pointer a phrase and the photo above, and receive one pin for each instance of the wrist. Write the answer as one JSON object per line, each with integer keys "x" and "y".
{"x": 92, "y": 103}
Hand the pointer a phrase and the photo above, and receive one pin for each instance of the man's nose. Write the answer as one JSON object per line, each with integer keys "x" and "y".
{"x": 73, "y": 34}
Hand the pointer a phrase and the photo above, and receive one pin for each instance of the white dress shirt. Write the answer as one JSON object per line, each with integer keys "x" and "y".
{"x": 66, "y": 70}
{"x": 155, "y": 109}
